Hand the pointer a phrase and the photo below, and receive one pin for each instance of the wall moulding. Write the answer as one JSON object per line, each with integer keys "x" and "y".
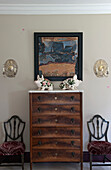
{"x": 41, "y": 9}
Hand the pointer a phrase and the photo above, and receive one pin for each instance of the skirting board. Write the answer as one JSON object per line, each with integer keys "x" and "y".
{"x": 17, "y": 159}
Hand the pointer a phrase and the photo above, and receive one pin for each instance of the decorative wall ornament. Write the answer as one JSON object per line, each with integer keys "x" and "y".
{"x": 101, "y": 68}
{"x": 43, "y": 84}
{"x": 70, "y": 83}
{"x": 10, "y": 68}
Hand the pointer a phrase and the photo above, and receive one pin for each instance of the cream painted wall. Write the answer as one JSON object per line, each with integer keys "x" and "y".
{"x": 19, "y": 45}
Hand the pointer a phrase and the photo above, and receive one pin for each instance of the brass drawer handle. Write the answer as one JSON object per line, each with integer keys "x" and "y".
{"x": 39, "y": 143}
{"x": 39, "y": 132}
{"x": 72, "y": 131}
{"x": 39, "y": 153}
{"x": 72, "y": 97}
{"x": 72, "y": 109}
{"x": 39, "y": 98}
{"x": 72, "y": 120}
{"x": 56, "y": 120}
{"x": 55, "y": 98}
{"x": 39, "y": 120}
{"x": 39, "y": 109}
{"x": 73, "y": 154}
{"x": 72, "y": 142}
{"x": 56, "y": 108}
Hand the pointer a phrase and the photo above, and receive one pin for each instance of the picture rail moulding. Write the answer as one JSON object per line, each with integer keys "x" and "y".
{"x": 41, "y": 9}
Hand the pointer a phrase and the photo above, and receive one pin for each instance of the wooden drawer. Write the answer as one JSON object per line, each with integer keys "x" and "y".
{"x": 58, "y": 98}
{"x": 51, "y": 132}
{"x": 58, "y": 121}
{"x": 51, "y": 143}
{"x": 46, "y": 109}
{"x": 53, "y": 155}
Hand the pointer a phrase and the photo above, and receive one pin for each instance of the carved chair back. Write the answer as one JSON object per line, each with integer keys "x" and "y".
{"x": 97, "y": 127}
{"x": 14, "y": 128}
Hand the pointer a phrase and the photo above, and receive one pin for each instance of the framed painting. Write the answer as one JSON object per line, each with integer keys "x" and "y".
{"x": 58, "y": 56}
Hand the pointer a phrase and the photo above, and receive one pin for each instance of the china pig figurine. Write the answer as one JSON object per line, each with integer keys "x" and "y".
{"x": 43, "y": 84}
{"x": 70, "y": 83}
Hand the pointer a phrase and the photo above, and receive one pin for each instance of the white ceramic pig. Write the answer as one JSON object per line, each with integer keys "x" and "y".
{"x": 70, "y": 83}
{"x": 43, "y": 84}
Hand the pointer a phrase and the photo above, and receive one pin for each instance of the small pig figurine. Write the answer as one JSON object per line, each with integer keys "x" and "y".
{"x": 43, "y": 84}
{"x": 70, "y": 83}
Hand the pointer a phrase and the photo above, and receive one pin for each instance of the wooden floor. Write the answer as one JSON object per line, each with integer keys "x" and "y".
{"x": 55, "y": 166}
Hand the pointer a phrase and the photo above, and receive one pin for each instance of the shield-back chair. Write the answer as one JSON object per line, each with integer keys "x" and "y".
{"x": 98, "y": 128}
{"x": 13, "y": 144}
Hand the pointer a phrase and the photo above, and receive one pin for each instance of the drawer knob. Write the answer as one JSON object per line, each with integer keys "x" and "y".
{"x": 56, "y": 154}
{"x": 72, "y": 109}
{"x": 39, "y": 153}
{"x": 72, "y": 120}
{"x": 72, "y": 97}
{"x": 39, "y": 132}
{"x": 39, "y": 120}
{"x": 56, "y": 108}
{"x": 72, "y": 142}
{"x": 72, "y": 131}
{"x": 39, "y": 98}
{"x": 56, "y": 143}
{"x": 56, "y": 131}
{"x": 39, "y": 109}
{"x": 73, "y": 154}
{"x": 39, "y": 143}
{"x": 56, "y": 120}
{"x": 55, "y": 98}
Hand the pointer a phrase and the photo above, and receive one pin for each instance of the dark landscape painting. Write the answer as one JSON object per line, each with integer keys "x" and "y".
{"x": 58, "y": 56}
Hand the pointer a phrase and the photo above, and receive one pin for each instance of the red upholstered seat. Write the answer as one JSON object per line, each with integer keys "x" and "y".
{"x": 12, "y": 148}
{"x": 99, "y": 147}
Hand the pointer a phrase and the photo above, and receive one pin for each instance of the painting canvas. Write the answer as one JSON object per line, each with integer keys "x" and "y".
{"x": 58, "y": 55}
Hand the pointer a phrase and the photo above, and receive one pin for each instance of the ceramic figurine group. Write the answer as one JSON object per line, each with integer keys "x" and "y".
{"x": 68, "y": 84}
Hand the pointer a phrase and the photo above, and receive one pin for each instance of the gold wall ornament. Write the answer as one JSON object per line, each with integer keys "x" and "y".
{"x": 10, "y": 68}
{"x": 101, "y": 68}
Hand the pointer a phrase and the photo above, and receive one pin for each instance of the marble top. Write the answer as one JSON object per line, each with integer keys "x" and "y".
{"x": 53, "y": 91}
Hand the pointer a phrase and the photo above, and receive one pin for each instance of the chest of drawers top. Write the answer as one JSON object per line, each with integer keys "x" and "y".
{"x": 55, "y": 91}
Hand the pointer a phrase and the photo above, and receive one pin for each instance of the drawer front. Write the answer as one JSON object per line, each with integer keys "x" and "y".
{"x": 47, "y": 121}
{"x": 53, "y": 155}
{"x": 57, "y": 143}
{"x": 51, "y": 132}
{"x": 40, "y": 109}
{"x": 58, "y": 98}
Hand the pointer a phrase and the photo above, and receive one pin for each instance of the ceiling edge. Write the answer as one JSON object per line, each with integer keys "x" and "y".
{"x": 39, "y": 9}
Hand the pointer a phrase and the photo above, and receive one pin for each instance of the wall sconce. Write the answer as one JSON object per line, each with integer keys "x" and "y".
{"x": 101, "y": 68}
{"x": 10, "y": 68}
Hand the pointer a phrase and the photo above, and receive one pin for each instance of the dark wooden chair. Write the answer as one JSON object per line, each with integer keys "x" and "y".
{"x": 13, "y": 144}
{"x": 98, "y": 128}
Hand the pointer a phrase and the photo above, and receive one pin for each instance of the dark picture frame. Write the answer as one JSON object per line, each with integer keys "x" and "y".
{"x": 61, "y": 50}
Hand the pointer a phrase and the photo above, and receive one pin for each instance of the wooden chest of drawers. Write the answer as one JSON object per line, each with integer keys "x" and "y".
{"x": 56, "y": 126}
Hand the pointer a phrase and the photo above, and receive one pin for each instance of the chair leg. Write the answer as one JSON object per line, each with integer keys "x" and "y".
{"x": 22, "y": 157}
{"x": 104, "y": 159}
{"x": 90, "y": 161}
{"x": 2, "y": 158}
